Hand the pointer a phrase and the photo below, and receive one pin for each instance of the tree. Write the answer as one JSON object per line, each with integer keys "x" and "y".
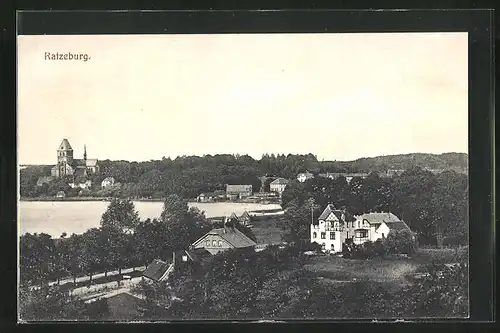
{"x": 298, "y": 220}
{"x": 38, "y": 262}
{"x": 400, "y": 241}
{"x": 120, "y": 215}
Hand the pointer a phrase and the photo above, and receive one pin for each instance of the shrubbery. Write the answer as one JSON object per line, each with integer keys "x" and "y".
{"x": 397, "y": 242}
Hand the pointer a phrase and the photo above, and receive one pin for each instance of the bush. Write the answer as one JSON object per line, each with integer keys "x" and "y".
{"x": 400, "y": 242}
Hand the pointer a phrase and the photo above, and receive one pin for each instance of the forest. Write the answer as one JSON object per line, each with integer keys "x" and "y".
{"x": 188, "y": 176}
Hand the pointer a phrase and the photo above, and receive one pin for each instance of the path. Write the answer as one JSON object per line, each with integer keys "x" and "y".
{"x": 96, "y": 276}
{"x": 105, "y": 289}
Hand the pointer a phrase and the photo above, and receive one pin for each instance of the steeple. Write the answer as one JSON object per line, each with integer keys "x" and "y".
{"x": 85, "y": 152}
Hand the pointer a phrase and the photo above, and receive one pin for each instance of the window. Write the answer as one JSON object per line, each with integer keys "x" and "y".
{"x": 207, "y": 243}
{"x": 323, "y": 235}
{"x": 323, "y": 246}
{"x": 315, "y": 234}
{"x": 361, "y": 233}
{"x": 332, "y": 235}
{"x": 333, "y": 247}
{"x": 383, "y": 236}
{"x": 220, "y": 243}
{"x": 214, "y": 243}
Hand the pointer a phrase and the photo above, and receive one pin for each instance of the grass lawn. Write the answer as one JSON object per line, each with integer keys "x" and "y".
{"x": 266, "y": 231}
{"x": 394, "y": 272}
{"x": 336, "y": 269}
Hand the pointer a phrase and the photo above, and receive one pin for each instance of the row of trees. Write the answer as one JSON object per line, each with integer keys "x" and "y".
{"x": 435, "y": 206}
{"x": 274, "y": 284}
{"x": 122, "y": 240}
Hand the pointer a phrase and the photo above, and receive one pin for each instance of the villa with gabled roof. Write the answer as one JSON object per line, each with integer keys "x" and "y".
{"x": 332, "y": 229}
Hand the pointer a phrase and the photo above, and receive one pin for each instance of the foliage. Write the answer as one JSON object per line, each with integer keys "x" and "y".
{"x": 52, "y": 303}
{"x": 400, "y": 241}
{"x": 120, "y": 215}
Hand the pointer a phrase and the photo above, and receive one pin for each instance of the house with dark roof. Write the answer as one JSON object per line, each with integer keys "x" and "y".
{"x": 221, "y": 239}
{"x": 182, "y": 260}
{"x": 158, "y": 270}
{"x": 245, "y": 218}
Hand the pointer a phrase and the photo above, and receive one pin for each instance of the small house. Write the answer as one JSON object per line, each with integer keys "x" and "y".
{"x": 108, "y": 181}
{"x": 222, "y": 239}
{"x": 304, "y": 176}
{"x": 278, "y": 185}
{"x": 245, "y": 218}
{"x": 157, "y": 271}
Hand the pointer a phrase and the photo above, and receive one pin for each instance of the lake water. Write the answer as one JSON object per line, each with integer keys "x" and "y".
{"x": 56, "y": 217}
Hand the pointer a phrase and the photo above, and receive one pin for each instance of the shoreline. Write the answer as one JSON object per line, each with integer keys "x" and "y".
{"x": 76, "y": 199}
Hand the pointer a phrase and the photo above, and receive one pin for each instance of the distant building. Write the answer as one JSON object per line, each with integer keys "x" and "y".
{"x": 348, "y": 176}
{"x": 238, "y": 191}
{"x": 279, "y": 185}
{"x": 60, "y": 194}
{"x": 44, "y": 180}
{"x": 221, "y": 239}
{"x": 245, "y": 218}
{"x": 302, "y": 177}
{"x": 84, "y": 184}
{"x": 394, "y": 172}
{"x": 108, "y": 181}
{"x": 211, "y": 196}
{"x": 68, "y": 166}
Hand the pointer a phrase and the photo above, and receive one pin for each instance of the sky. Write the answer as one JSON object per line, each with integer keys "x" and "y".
{"x": 337, "y": 96}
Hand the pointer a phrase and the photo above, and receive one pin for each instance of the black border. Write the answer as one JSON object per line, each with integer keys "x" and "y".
{"x": 478, "y": 23}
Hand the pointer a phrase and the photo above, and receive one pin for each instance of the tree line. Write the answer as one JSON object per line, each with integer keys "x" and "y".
{"x": 188, "y": 176}
{"x": 122, "y": 240}
{"x": 435, "y": 206}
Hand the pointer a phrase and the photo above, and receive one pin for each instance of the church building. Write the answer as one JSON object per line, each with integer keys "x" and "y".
{"x": 68, "y": 166}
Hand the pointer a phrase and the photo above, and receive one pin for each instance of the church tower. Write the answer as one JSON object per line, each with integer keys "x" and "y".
{"x": 64, "y": 157}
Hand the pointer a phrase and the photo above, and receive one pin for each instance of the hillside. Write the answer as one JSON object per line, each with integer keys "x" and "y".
{"x": 447, "y": 161}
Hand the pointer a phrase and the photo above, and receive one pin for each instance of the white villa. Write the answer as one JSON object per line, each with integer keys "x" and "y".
{"x": 331, "y": 230}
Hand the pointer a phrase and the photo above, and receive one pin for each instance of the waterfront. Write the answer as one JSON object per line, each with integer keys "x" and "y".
{"x": 56, "y": 217}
